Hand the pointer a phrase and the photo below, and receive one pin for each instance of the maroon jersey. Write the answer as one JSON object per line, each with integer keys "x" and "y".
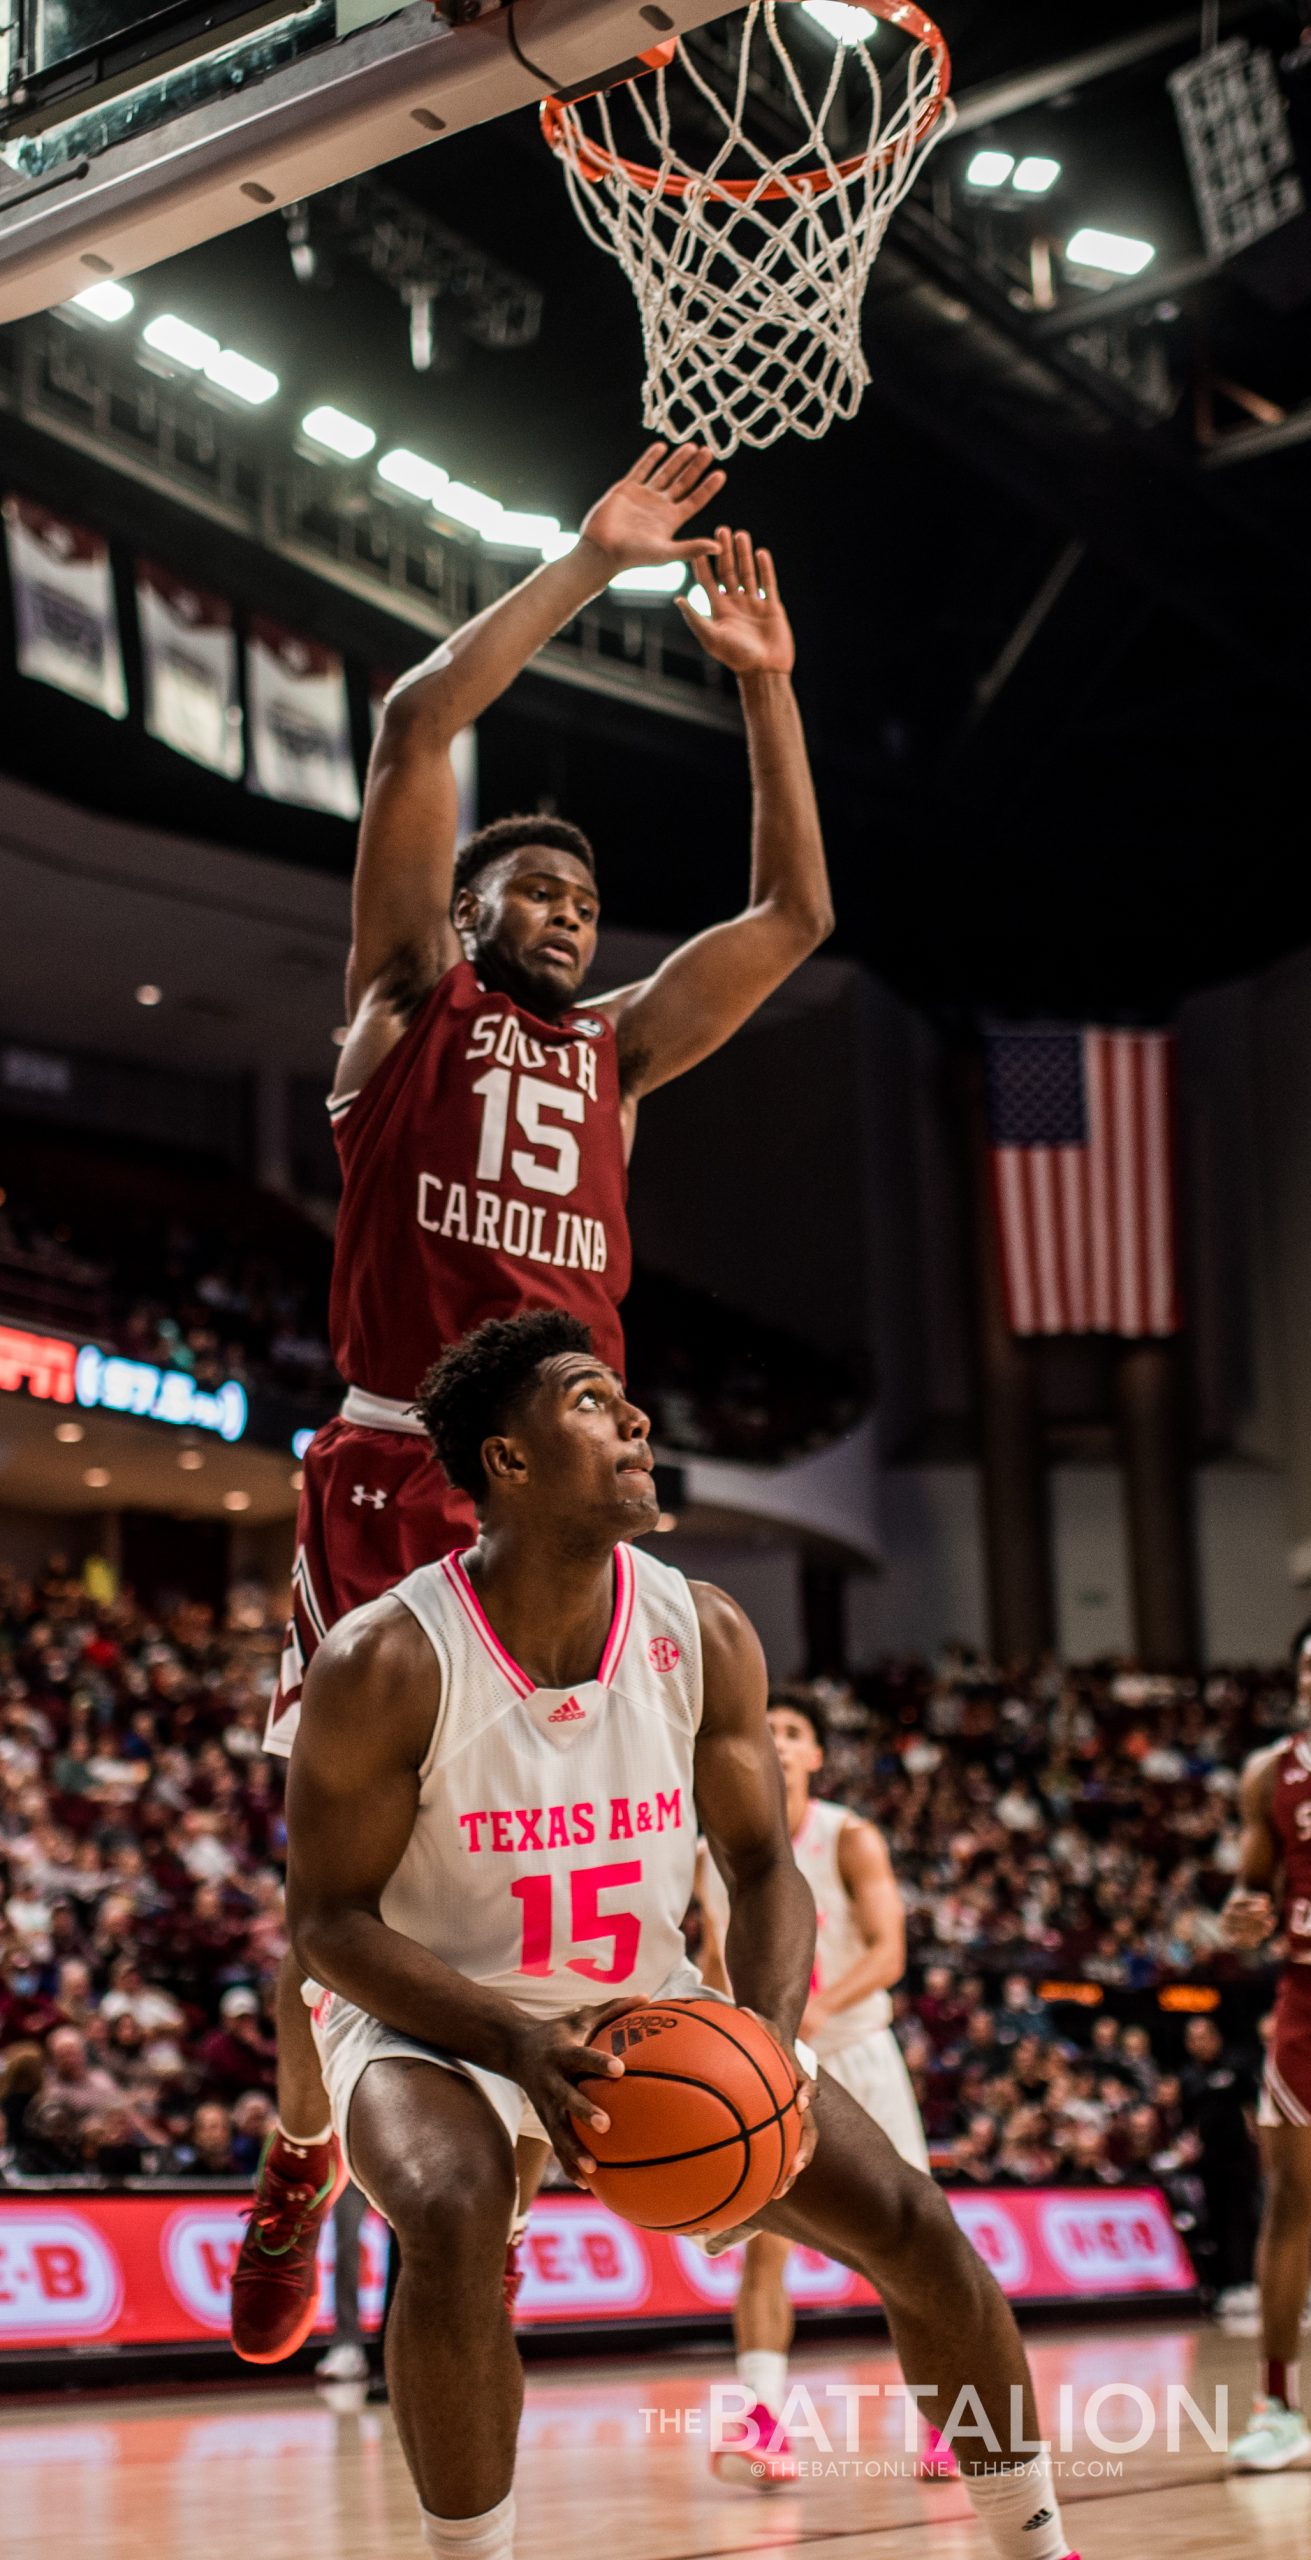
{"x": 1290, "y": 1817}
{"x": 483, "y": 1174}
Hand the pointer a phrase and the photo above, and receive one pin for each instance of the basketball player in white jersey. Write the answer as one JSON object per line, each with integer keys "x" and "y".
{"x": 860, "y": 1953}
{"x": 492, "y": 1822}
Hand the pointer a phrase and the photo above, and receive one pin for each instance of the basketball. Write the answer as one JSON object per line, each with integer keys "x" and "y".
{"x": 704, "y": 2122}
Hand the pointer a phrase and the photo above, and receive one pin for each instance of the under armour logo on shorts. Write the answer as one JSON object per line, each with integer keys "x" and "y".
{"x": 361, "y": 1494}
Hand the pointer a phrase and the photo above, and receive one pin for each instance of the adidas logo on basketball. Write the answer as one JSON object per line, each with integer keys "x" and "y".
{"x": 569, "y": 1713}
{"x": 639, "y": 2031}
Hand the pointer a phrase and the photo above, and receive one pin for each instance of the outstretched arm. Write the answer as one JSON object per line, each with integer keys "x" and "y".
{"x": 401, "y": 929}
{"x": 704, "y": 992}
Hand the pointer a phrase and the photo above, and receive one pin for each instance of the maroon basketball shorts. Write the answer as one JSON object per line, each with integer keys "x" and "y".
{"x": 375, "y": 1505}
{"x": 1286, "y": 2088}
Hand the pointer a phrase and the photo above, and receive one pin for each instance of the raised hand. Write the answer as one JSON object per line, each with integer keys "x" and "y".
{"x": 637, "y": 523}
{"x": 746, "y": 628}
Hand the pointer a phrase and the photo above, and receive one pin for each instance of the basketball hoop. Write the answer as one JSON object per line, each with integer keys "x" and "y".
{"x": 749, "y": 259}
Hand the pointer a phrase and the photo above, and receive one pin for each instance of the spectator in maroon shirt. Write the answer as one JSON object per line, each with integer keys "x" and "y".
{"x": 237, "y": 2054}
{"x": 940, "y": 2008}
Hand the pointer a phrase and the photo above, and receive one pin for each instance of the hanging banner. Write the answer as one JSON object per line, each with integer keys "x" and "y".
{"x": 300, "y": 735}
{"x": 189, "y": 661}
{"x": 66, "y": 621}
{"x": 464, "y": 755}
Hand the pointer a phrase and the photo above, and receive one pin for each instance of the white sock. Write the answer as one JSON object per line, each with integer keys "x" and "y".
{"x": 767, "y": 2375}
{"x": 1017, "y": 2509}
{"x": 301, "y": 2144}
{"x": 488, "y": 2537}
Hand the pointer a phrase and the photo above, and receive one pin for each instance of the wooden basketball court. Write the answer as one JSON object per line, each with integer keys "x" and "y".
{"x": 609, "y": 2465}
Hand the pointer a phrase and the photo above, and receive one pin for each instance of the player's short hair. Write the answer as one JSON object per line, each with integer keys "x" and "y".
{"x": 508, "y": 835}
{"x": 799, "y": 1702}
{"x": 478, "y": 1386}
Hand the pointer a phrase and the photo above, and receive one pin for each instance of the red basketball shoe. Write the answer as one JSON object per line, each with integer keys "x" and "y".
{"x": 275, "y": 2286}
{"x": 761, "y": 2459}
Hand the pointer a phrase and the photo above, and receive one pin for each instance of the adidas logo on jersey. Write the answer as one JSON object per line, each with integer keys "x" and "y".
{"x": 569, "y": 1713}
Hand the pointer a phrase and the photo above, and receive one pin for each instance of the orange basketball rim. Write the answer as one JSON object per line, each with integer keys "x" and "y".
{"x": 593, "y": 162}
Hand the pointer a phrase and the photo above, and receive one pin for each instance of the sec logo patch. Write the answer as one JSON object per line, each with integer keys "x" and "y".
{"x": 663, "y": 1654}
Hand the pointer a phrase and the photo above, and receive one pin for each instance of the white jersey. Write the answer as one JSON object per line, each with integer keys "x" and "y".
{"x": 839, "y": 1942}
{"x": 554, "y": 1848}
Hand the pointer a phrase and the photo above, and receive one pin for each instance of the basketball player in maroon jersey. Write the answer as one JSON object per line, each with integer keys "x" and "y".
{"x": 1276, "y": 1853}
{"x": 484, "y": 1118}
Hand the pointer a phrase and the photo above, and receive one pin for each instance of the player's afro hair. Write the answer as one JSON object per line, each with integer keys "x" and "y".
{"x": 507, "y": 835}
{"x": 477, "y": 1387}
{"x": 803, "y": 1702}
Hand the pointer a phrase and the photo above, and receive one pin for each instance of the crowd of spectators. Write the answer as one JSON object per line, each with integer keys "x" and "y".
{"x": 1064, "y": 1843}
{"x": 141, "y": 1919}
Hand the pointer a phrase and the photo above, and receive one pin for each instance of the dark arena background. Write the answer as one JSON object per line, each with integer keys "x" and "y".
{"x": 971, "y": 1275}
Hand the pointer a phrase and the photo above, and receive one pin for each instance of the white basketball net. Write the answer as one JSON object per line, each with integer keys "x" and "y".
{"x": 749, "y": 265}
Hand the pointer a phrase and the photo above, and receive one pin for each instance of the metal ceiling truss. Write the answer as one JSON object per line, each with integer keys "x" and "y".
{"x": 427, "y": 265}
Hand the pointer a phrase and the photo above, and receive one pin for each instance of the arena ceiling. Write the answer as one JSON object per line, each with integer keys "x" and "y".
{"x": 1047, "y": 586}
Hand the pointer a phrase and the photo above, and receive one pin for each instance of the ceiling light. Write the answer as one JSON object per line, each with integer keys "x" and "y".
{"x": 472, "y": 507}
{"x": 297, "y": 1480}
{"x": 700, "y": 603}
{"x": 559, "y": 545}
{"x": 236, "y": 1502}
{"x": 189, "y": 1460}
{"x": 663, "y": 581}
{"x": 70, "y": 1432}
{"x": 149, "y": 995}
{"x": 338, "y": 434}
{"x": 1036, "y": 176}
{"x": 241, "y": 376}
{"x": 515, "y": 531}
{"x": 410, "y": 473}
{"x": 1109, "y": 253}
{"x": 176, "y": 339}
{"x": 849, "y": 26}
{"x": 990, "y": 169}
{"x": 105, "y": 301}
{"x": 95, "y": 1477}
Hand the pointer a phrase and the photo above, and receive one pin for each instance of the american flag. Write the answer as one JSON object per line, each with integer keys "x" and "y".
{"x": 1081, "y": 1142}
